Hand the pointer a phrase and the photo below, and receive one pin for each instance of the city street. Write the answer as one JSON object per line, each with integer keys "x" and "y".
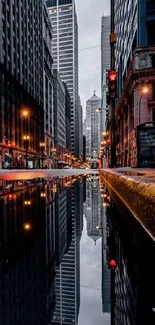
{"x": 77, "y": 162}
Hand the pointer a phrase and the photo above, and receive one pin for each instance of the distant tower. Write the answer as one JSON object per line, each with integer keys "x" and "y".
{"x": 93, "y": 210}
{"x": 92, "y": 126}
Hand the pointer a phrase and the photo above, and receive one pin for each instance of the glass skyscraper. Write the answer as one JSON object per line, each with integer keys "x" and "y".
{"x": 65, "y": 53}
{"x": 93, "y": 127}
{"x": 68, "y": 272}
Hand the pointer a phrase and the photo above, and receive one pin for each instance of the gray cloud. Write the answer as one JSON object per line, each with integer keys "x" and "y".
{"x": 90, "y": 281}
{"x": 89, "y": 21}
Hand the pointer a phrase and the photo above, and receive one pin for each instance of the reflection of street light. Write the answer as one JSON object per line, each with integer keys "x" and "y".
{"x": 42, "y": 145}
{"x": 27, "y": 202}
{"x": 145, "y": 90}
{"x": 54, "y": 151}
{"x": 27, "y": 226}
{"x": 42, "y": 194}
{"x": 101, "y": 109}
{"x": 100, "y": 228}
{"x": 26, "y": 138}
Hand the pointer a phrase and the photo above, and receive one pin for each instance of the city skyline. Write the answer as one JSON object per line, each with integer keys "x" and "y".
{"x": 89, "y": 36}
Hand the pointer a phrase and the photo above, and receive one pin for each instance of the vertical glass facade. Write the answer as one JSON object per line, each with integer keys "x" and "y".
{"x": 65, "y": 53}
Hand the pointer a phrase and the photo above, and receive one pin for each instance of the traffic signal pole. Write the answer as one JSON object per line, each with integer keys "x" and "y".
{"x": 112, "y": 100}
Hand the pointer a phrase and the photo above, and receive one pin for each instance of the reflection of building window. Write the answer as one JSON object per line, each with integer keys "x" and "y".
{"x": 153, "y": 114}
{"x": 153, "y": 91}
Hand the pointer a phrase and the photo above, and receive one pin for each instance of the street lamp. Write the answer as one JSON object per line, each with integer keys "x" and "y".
{"x": 25, "y": 113}
{"x": 42, "y": 146}
{"x": 54, "y": 152}
{"x": 26, "y": 139}
{"x": 145, "y": 90}
{"x": 27, "y": 226}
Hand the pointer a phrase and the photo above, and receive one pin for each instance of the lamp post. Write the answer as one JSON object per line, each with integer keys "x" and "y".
{"x": 145, "y": 90}
{"x": 54, "y": 151}
{"x": 42, "y": 146}
{"x": 26, "y": 139}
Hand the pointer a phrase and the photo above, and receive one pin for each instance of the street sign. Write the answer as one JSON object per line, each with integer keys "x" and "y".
{"x": 146, "y": 144}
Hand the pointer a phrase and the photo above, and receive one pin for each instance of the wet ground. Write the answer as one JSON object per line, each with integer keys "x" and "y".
{"x": 72, "y": 253}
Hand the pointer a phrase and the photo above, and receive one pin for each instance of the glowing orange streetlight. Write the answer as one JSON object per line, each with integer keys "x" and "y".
{"x": 26, "y": 137}
{"x": 27, "y": 226}
{"x": 25, "y": 113}
{"x": 54, "y": 150}
{"x": 144, "y": 90}
{"x": 27, "y": 202}
{"x": 42, "y": 194}
{"x": 42, "y": 144}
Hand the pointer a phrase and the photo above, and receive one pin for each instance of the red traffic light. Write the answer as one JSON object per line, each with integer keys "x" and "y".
{"x": 112, "y": 264}
{"x": 112, "y": 75}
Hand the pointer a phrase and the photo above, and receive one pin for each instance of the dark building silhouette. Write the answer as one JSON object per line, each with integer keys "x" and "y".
{"x": 59, "y": 110}
{"x": 61, "y": 225}
{"x": 132, "y": 283}
{"x": 21, "y": 81}
{"x": 68, "y": 118}
{"x": 84, "y": 148}
{"x": 27, "y": 259}
{"x": 68, "y": 273}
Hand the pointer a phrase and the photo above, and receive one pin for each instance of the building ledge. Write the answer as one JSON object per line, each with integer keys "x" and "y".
{"x": 140, "y": 68}
{"x": 136, "y": 189}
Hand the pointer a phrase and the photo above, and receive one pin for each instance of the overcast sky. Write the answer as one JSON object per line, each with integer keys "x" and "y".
{"x": 90, "y": 282}
{"x": 89, "y": 14}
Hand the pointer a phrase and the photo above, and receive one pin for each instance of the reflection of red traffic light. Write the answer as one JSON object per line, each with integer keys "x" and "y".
{"x": 10, "y": 197}
{"x": 112, "y": 264}
{"x": 9, "y": 144}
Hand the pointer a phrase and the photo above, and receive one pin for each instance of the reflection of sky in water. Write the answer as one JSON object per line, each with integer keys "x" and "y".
{"x": 90, "y": 276}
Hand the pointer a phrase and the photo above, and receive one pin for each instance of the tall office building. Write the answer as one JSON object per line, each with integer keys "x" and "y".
{"x": 21, "y": 81}
{"x": 106, "y": 273}
{"x": 93, "y": 210}
{"x": 133, "y": 279}
{"x": 48, "y": 86}
{"x": 68, "y": 273}
{"x": 93, "y": 127}
{"x": 79, "y": 139}
{"x": 105, "y": 65}
{"x": 59, "y": 111}
{"x": 61, "y": 225}
{"x": 134, "y": 60}
{"x": 65, "y": 54}
{"x": 68, "y": 118}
